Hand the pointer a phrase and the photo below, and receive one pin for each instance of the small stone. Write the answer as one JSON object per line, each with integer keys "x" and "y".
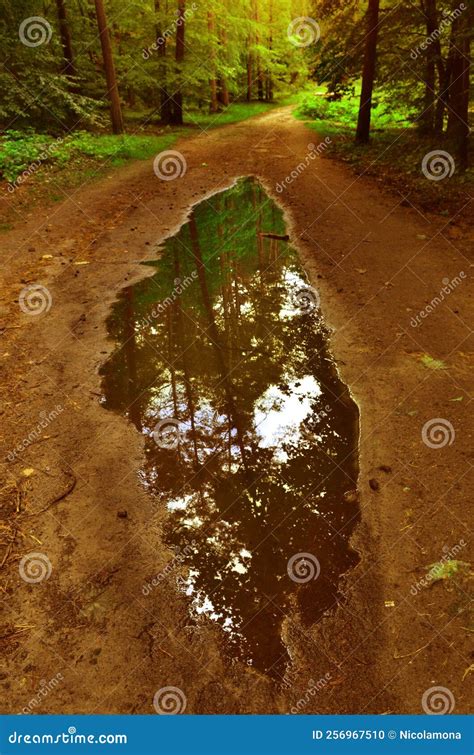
{"x": 122, "y": 514}
{"x": 374, "y": 484}
{"x": 351, "y": 496}
{"x": 385, "y": 468}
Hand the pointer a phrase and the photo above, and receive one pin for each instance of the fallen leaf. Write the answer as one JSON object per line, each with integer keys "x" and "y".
{"x": 431, "y": 363}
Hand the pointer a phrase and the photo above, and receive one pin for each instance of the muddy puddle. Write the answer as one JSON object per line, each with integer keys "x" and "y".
{"x": 251, "y": 438}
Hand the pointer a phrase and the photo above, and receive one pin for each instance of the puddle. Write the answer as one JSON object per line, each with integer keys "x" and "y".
{"x": 251, "y": 438}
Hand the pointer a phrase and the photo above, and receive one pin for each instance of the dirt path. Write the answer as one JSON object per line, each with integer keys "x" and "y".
{"x": 89, "y": 626}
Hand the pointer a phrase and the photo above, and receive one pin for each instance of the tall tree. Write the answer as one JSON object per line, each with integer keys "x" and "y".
{"x": 109, "y": 66}
{"x": 68, "y": 67}
{"x": 458, "y": 91}
{"x": 368, "y": 74}
{"x": 177, "y": 103}
{"x": 165, "y": 99}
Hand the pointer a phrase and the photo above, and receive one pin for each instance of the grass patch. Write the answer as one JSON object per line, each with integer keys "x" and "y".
{"x": 25, "y": 154}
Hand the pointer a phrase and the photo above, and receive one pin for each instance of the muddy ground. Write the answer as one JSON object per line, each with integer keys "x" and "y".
{"x": 376, "y": 265}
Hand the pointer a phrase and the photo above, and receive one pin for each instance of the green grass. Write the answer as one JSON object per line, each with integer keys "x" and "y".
{"x": 23, "y": 155}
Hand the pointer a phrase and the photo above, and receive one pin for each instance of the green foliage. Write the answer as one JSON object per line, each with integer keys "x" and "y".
{"x": 28, "y": 151}
{"x": 340, "y": 114}
{"x": 447, "y": 569}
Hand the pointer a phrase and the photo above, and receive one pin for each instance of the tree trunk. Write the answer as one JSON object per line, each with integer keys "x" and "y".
{"x": 249, "y": 76}
{"x": 427, "y": 119}
{"x": 368, "y": 74}
{"x": 165, "y": 99}
{"x": 212, "y": 81}
{"x": 68, "y": 68}
{"x": 458, "y": 93}
{"x": 259, "y": 62}
{"x": 223, "y": 92}
{"x": 269, "y": 81}
{"x": 112, "y": 88}
{"x": 177, "y": 103}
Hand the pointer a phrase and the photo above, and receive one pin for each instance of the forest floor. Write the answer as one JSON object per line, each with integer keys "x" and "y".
{"x": 74, "y": 494}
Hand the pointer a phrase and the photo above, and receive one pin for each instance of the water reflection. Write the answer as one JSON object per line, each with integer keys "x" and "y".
{"x": 250, "y": 435}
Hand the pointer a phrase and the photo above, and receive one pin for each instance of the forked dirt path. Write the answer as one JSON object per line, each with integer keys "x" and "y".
{"x": 376, "y": 265}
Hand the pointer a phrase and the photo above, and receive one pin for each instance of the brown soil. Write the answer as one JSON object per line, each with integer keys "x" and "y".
{"x": 376, "y": 265}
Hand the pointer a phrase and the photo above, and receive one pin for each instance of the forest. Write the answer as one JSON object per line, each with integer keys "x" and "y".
{"x": 236, "y": 303}
{"x": 73, "y": 69}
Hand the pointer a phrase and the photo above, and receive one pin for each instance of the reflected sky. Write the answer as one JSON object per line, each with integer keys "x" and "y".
{"x": 250, "y": 436}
